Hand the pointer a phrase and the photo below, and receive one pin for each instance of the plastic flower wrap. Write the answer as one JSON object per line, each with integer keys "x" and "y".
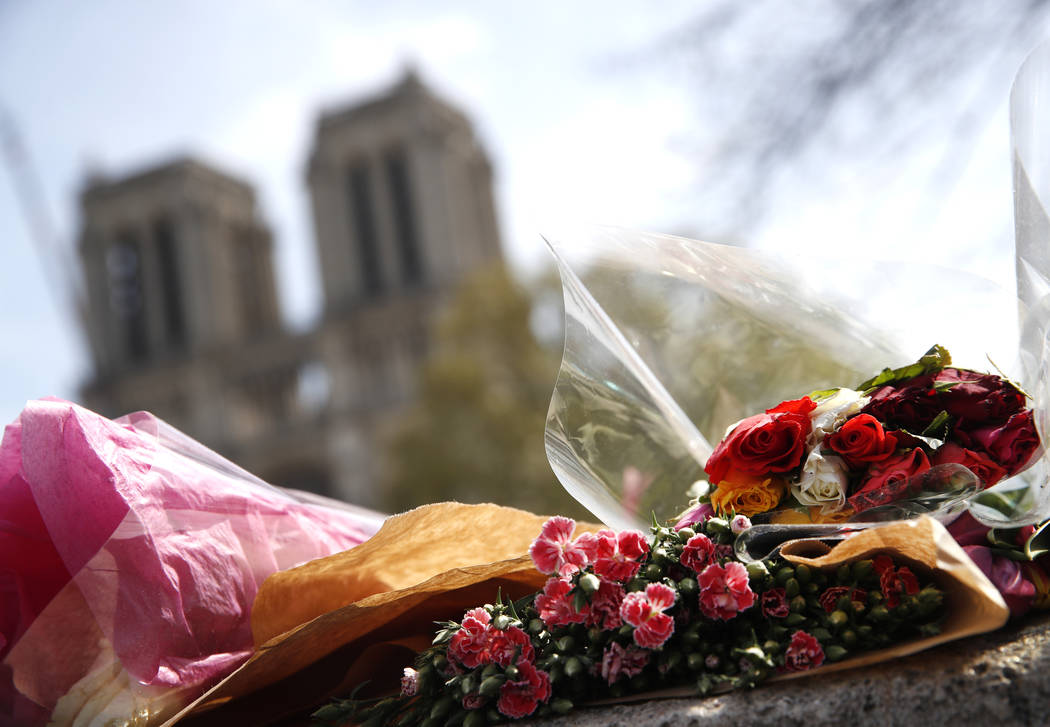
{"x": 672, "y": 343}
{"x": 131, "y": 559}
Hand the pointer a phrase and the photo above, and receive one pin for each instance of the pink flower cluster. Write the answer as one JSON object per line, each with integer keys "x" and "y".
{"x": 478, "y": 643}
{"x": 614, "y": 556}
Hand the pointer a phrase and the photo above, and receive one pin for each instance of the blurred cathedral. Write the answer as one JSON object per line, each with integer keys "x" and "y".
{"x": 183, "y": 313}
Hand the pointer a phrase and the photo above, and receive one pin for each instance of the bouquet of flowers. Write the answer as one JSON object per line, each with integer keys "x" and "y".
{"x": 842, "y": 452}
{"x": 620, "y": 615}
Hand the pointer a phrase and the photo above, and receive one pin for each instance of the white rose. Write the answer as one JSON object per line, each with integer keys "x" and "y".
{"x": 823, "y": 482}
{"x": 833, "y": 411}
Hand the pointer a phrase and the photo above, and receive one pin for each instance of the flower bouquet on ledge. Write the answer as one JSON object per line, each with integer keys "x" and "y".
{"x": 838, "y": 519}
{"x": 692, "y": 606}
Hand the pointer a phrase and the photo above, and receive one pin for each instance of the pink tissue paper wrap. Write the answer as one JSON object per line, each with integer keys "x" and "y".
{"x": 130, "y": 556}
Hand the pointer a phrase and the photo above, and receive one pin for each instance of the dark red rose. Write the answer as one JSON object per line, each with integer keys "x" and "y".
{"x": 976, "y": 397}
{"x": 764, "y": 443}
{"x": 774, "y": 603}
{"x": 890, "y": 480}
{"x": 987, "y": 470}
{"x": 968, "y": 531}
{"x": 519, "y": 697}
{"x": 1012, "y": 444}
{"x": 803, "y": 653}
{"x": 829, "y": 599}
{"x": 912, "y": 406}
{"x": 861, "y": 441}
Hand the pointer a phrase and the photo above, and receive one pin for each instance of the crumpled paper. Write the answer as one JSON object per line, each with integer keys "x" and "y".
{"x": 130, "y": 557}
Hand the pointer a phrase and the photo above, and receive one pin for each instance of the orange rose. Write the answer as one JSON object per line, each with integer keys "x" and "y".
{"x": 746, "y": 495}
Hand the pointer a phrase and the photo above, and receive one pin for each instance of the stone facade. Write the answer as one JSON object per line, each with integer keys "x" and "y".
{"x": 183, "y": 309}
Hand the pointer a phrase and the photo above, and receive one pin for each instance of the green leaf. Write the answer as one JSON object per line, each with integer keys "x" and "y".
{"x": 821, "y": 394}
{"x": 931, "y": 362}
{"x": 1039, "y": 543}
{"x": 940, "y": 427}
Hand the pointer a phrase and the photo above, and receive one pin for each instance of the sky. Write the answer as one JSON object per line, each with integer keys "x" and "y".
{"x": 115, "y": 85}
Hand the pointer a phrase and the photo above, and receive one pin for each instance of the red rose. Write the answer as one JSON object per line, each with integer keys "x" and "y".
{"x": 519, "y": 697}
{"x": 987, "y": 470}
{"x": 698, "y": 553}
{"x": 803, "y": 653}
{"x": 774, "y": 603}
{"x": 890, "y": 480}
{"x": 829, "y": 599}
{"x": 861, "y": 441}
{"x": 912, "y": 406}
{"x": 764, "y": 443}
{"x": 802, "y": 407}
{"x": 1012, "y": 444}
{"x": 976, "y": 397}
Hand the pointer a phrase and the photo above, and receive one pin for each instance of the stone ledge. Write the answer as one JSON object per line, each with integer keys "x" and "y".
{"x": 1000, "y": 679}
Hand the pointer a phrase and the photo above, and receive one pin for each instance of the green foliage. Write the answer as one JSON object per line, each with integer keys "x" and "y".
{"x": 931, "y": 362}
{"x": 476, "y": 432}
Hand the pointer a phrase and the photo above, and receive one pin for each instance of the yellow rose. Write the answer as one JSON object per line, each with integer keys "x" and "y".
{"x": 748, "y": 496}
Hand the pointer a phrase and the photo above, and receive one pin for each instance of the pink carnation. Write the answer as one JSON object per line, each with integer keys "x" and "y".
{"x": 698, "y": 553}
{"x": 618, "y": 662}
{"x": 469, "y": 645}
{"x": 520, "y": 697}
{"x": 617, "y": 555}
{"x": 554, "y": 552}
{"x": 473, "y": 701}
{"x": 604, "y": 610}
{"x": 895, "y": 581}
{"x": 724, "y": 591}
{"x": 645, "y": 611}
{"x": 510, "y": 646}
{"x": 555, "y": 604}
{"x": 804, "y": 652}
{"x": 409, "y": 682}
{"x": 775, "y": 604}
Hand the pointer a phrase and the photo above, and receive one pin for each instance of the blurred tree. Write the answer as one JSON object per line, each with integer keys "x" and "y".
{"x": 476, "y": 433}
{"x": 799, "y": 86}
